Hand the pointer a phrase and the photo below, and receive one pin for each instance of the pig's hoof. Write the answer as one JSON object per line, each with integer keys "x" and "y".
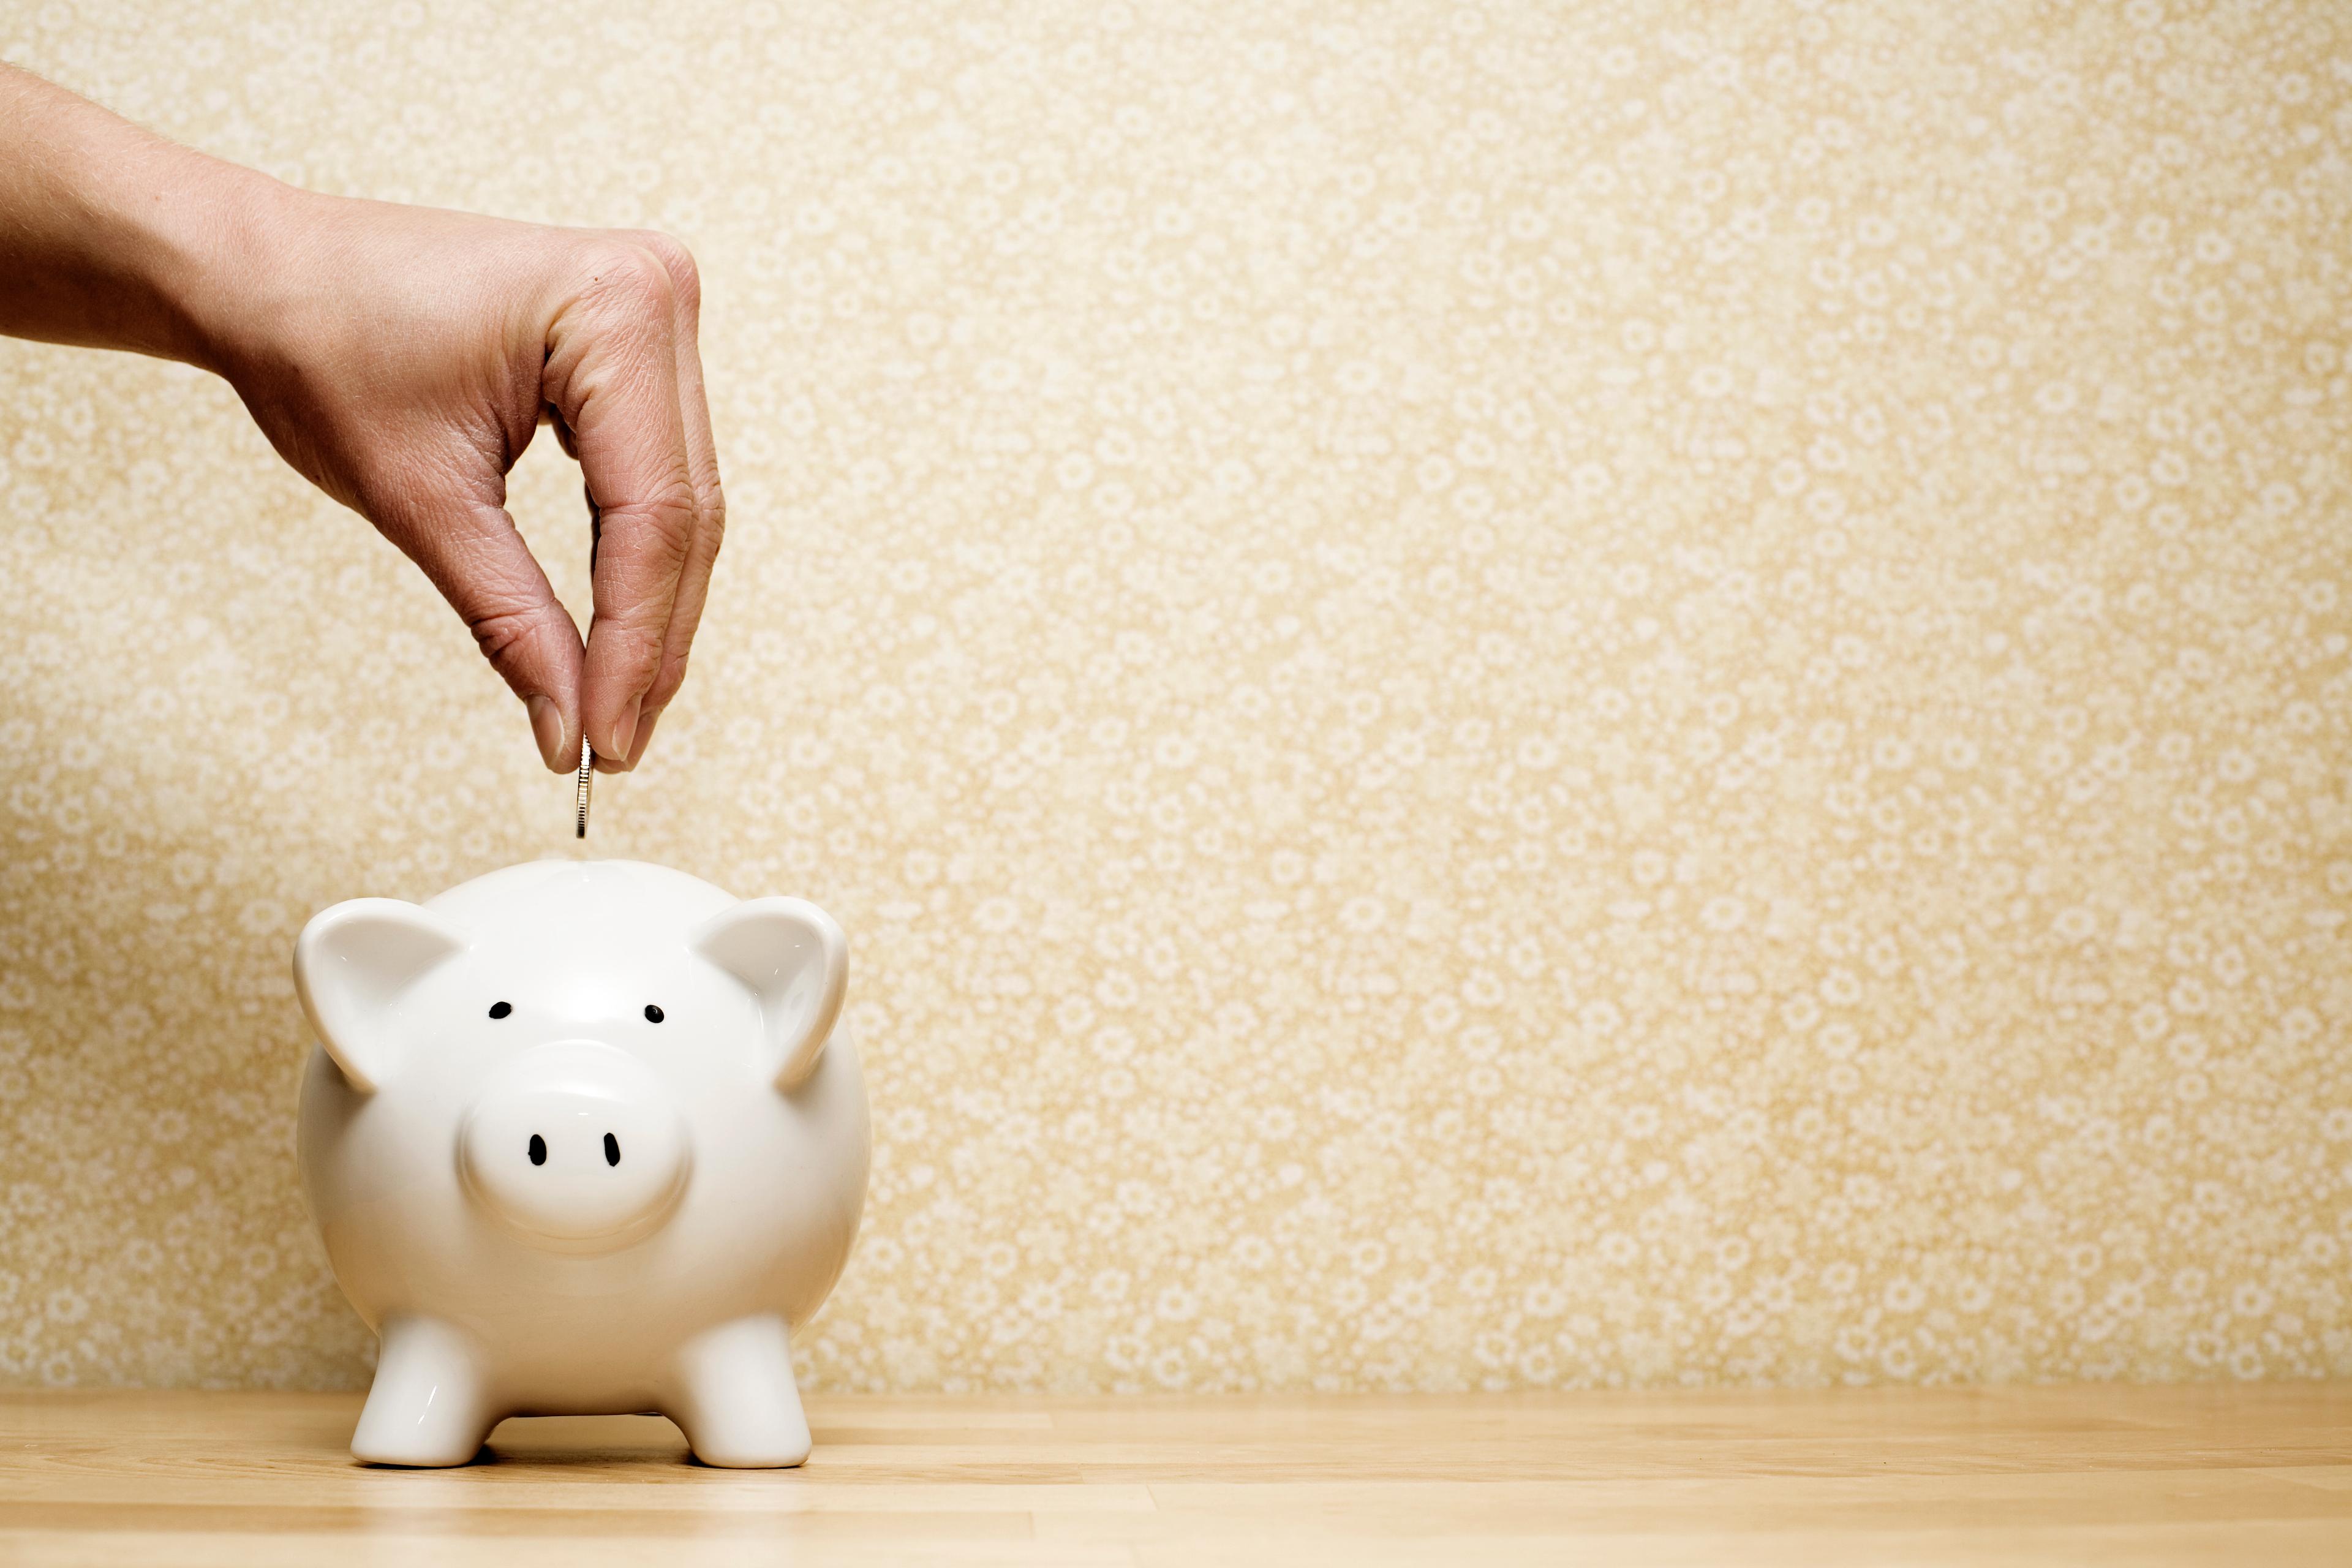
{"x": 736, "y": 1403}
{"x": 776, "y": 1448}
{"x": 426, "y": 1408}
{"x": 412, "y": 1455}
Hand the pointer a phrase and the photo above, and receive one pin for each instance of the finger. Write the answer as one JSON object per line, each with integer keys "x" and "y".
{"x": 612, "y": 375}
{"x": 702, "y": 462}
{"x": 646, "y": 722}
{"x": 471, "y": 551}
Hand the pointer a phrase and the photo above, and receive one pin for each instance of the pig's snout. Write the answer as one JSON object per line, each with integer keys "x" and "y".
{"x": 578, "y": 1147}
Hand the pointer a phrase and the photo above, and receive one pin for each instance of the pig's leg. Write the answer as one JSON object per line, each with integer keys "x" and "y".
{"x": 733, "y": 1396}
{"x": 428, "y": 1406}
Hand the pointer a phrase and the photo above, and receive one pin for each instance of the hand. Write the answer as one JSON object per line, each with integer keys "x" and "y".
{"x": 401, "y": 359}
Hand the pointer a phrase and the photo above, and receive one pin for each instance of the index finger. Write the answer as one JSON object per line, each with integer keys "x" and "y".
{"x": 612, "y": 375}
{"x": 711, "y": 505}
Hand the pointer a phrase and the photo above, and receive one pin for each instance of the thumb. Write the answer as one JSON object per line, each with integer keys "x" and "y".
{"x": 473, "y": 553}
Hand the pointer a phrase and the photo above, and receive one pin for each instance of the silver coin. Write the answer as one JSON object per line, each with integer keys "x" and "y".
{"x": 587, "y": 773}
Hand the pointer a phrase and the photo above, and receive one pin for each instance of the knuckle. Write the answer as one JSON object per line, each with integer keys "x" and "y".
{"x": 664, "y": 516}
{"x": 631, "y": 277}
{"x": 685, "y": 278}
{"x": 507, "y": 633}
{"x": 666, "y": 685}
{"x": 633, "y": 649}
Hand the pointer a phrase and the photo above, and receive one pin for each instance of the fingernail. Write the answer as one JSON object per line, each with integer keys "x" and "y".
{"x": 624, "y": 733}
{"x": 547, "y": 729}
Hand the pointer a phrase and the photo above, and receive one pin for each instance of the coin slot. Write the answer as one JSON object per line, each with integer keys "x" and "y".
{"x": 653, "y": 1014}
{"x": 612, "y": 1149}
{"x": 538, "y": 1148}
{"x": 501, "y": 1009}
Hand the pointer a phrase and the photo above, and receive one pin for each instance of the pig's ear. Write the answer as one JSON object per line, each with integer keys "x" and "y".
{"x": 352, "y": 964}
{"x": 790, "y": 956}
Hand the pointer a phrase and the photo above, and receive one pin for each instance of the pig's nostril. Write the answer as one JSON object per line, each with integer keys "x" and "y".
{"x": 612, "y": 1149}
{"x": 539, "y": 1149}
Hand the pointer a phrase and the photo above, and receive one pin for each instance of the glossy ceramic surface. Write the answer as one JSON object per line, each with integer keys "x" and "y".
{"x": 582, "y": 1138}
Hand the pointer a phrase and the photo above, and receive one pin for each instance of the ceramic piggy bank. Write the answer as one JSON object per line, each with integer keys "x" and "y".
{"x": 582, "y": 1138}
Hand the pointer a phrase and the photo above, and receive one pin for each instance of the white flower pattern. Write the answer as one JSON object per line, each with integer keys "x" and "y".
{"x": 1500, "y": 695}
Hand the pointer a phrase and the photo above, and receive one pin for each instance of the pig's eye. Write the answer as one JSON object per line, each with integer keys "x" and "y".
{"x": 501, "y": 1009}
{"x": 537, "y": 1150}
{"x": 653, "y": 1014}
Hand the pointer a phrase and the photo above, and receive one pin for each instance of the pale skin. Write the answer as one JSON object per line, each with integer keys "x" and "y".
{"x": 402, "y": 358}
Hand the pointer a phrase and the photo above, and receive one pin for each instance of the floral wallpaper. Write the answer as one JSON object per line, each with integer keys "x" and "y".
{"x": 1500, "y": 696}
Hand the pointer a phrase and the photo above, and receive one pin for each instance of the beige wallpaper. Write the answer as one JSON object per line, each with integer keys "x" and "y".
{"x": 1499, "y": 695}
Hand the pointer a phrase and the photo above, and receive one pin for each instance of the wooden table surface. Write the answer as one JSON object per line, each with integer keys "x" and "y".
{"x": 2257, "y": 1476}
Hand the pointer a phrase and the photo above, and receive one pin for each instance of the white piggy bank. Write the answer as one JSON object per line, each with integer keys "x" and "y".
{"x": 582, "y": 1138}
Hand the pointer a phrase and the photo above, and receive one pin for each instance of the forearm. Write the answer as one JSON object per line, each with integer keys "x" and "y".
{"x": 112, "y": 237}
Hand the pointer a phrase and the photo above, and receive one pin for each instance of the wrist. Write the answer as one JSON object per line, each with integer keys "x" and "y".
{"x": 216, "y": 246}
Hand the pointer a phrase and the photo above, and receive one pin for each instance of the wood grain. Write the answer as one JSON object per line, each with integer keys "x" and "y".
{"x": 2256, "y": 1474}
